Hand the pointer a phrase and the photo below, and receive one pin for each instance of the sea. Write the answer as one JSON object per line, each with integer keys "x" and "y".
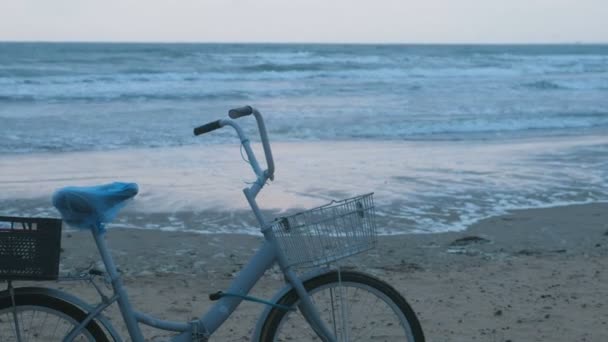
{"x": 444, "y": 135}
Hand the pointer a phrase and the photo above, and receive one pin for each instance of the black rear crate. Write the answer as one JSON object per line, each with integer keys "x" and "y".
{"x": 29, "y": 248}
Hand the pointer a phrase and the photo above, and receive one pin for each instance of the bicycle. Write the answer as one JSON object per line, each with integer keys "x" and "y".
{"x": 324, "y": 302}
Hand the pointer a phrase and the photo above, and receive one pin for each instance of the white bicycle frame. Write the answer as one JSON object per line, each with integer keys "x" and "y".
{"x": 265, "y": 258}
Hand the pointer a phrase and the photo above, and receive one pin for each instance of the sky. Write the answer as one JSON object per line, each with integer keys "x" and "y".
{"x": 322, "y": 21}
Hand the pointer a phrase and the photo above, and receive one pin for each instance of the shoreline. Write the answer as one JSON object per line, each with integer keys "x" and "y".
{"x": 200, "y": 188}
{"x": 130, "y": 218}
{"x": 530, "y": 275}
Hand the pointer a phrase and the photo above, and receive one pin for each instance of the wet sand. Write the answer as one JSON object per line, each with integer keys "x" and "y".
{"x": 531, "y": 275}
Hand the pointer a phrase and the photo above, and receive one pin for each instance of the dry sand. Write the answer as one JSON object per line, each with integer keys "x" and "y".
{"x": 531, "y": 275}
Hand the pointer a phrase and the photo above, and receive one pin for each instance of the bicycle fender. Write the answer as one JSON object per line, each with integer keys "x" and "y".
{"x": 275, "y": 299}
{"x": 70, "y": 299}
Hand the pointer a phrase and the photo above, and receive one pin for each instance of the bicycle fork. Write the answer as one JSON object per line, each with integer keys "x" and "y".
{"x": 308, "y": 309}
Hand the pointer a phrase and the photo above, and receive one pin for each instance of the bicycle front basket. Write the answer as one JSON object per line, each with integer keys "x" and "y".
{"x": 328, "y": 233}
{"x": 29, "y": 248}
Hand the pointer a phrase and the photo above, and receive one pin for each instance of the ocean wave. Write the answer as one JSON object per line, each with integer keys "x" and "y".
{"x": 452, "y": 128}
{"x": 511, "y": 124}
{"x": 83, "y": 133}
{"x": 597, "y": 83}
{"x": 544, "y": 85}
{"x": 345, "y": 92}
{"x": 17, "y": 98}
{"x": 283, "y": 67}
{"x": 306, "y": 65}
{"x": 309, "y": 66}
{"x": 229, "y": 95}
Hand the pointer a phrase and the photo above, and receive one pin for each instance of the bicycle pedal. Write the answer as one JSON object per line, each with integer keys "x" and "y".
{"x": 96, "y": 272}
{"x": 215, "y": 296}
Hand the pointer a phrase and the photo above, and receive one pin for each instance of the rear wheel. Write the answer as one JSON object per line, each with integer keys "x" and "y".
{"x": 43, "y": 318}
{"x": 354, "y": 306}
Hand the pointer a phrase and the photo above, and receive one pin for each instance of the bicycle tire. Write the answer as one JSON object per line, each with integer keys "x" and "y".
{"x": 36, "y": 310}
{"x": 368, "y": 286}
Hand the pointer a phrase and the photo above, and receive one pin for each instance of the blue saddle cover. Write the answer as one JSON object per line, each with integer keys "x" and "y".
{"x": 91, "y": 206}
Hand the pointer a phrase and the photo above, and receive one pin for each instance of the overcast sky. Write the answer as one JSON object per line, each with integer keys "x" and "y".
{"x": 349, "y": 21}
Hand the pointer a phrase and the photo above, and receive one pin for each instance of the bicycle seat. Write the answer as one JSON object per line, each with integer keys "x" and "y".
{"x": 91, "y": 206}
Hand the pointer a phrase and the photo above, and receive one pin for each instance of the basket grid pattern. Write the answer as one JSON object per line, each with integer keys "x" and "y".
{"x": 29, "y": 248}
{"x": 328, "y": 233}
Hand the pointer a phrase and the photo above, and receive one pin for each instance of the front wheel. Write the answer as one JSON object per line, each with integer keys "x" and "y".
{"x": 353, "y": 305}
{"x": 45, "y": 318}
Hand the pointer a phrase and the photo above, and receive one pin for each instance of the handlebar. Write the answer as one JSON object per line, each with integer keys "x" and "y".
{"x": 235, "y": 114}
{"x": 265, "y": 142}
{"x": 208, "y": 127}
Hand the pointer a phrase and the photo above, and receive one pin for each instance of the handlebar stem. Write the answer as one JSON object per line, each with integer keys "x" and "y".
{"x": 265, "y": 144}
{"x": 247, "y": 146}
{"x": 262, "y": 177}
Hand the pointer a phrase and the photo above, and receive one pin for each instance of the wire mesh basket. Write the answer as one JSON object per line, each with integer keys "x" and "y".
{"x": 29, "y": 248}
{"x": 327, "y": 233}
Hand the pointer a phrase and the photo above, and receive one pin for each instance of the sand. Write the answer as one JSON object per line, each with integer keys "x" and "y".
{"x": 531, "y": 275}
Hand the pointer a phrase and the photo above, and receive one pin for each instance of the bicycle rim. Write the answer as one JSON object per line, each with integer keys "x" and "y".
{"x": 38, "y": 323}
{"x": 353, "y": 311}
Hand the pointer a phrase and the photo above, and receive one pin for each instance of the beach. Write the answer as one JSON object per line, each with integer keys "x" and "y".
{"x": 488, "y": 163}
{"x": 530, "y": 275}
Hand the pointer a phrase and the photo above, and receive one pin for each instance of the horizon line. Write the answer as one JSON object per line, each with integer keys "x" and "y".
{"x": 295, "y": 43}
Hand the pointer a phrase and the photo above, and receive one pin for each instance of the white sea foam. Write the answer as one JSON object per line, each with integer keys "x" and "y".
{"x": 419, "y": 186}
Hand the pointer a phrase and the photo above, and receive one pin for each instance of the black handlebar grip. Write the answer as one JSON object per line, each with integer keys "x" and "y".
{"x": 241, "y": 111}
{"x": 208, "y": 127}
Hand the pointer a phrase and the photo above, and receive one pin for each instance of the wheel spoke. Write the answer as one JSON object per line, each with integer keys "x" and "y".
{"x": 38, "y": 324}
{"x": 46, "y": 316}
{"x": 333, "y": 311}
{"x": 13, "y": 327}
{"x": 356, "y": 306}
{"x": 56, "y": 326}
{"x": 29, "y": 331}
